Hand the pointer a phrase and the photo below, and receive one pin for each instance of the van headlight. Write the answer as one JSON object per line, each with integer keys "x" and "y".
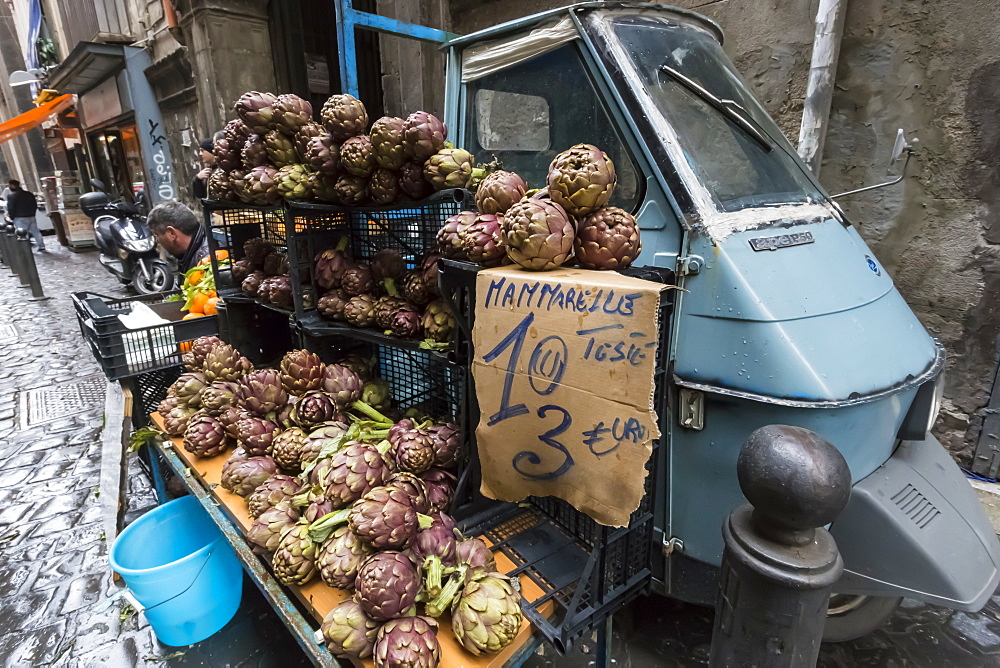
{"x": 139, "y": 245}
{"x": 923, "y": 411}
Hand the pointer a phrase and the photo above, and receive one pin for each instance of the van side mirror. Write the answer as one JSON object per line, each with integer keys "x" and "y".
{"x": 899, "y": 147}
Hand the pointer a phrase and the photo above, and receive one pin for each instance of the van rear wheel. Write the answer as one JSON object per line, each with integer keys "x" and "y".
{"x": 850, "y": 616}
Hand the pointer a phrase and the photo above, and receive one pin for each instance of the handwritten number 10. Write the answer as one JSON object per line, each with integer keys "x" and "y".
{"x": 515, "y": 339}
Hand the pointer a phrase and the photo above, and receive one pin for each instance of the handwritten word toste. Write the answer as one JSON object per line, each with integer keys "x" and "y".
{"x": 547, "y": 296}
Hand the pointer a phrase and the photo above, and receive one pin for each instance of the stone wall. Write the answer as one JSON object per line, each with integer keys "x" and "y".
{"x": 933, "y": 69}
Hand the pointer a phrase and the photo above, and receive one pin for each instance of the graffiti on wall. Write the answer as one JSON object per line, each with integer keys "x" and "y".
{"x": 162, "y": 176}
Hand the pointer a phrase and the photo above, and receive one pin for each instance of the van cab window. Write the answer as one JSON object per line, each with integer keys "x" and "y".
{"x": 527, "y": 114}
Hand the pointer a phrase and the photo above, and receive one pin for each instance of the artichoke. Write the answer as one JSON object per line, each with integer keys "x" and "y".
{"x": 205, "y": 436}
{"x": 376, "y": 394}
{"x": 278, "y": 291}
{"x": 387, "y": 142}
{"x": 354, "y": 471}
{"x": 262, "y": 186}
{"x": 411, "y": 642}
{"x": 344, "y": 116}
{"x": 227, "y": 154}
{"x": 329, "y": 436}
{"x": 387, "y": 586}
{"x": 240, "y": 185}
{"x": 254, "y": 109}
{"x": 383, "y": 187}
{"x": 385, "y": 308}
{"x": 244, "y": 476}
{"x": 188, "y": 387}
{"x": 607, "y": 239}
{"x": 256, "y": 251}
{"x": 194, "y": 358}
{"x": 440, "y": 487}
{"x": 451, "y": 237}
{"x": 229, "y": 418}
{"x": 322, "y": 186}
{"x": 332, "y": 304}
{"x": 357, "y": 280}
{"x": 294, "y": 560}
{"x": 342, "y": 384}
{"x": 423, "y": 135}
{"x": 301, "y": 371}
{"x": 482, "y": 242}
{"x": 384, "y": 518}
{"x": 581, "y": 180}
{"x": 340, "y": 557}
{"x": 312, "y": 409}
{"x": 218, "y": 396}
{"x": 225, "y": 363}
{"x": 447, "y": 442}
{"x": 412, "y": 182}
{"x": 220, "y": 187}
{"x": 430, "y": 267}
{"x": 487, "y": 616}
{"x": 251, "y": 284}
{"x": 319, "y": 507}
{"x": 306, "y": 133}
{"x": 406, "y": 323}
{"x": 473, "y": 553}
{"x": 359, "y": 364}
{"x": 237, "y": 132}
{"x": 387, "y": 264}
{"x": 417, "y": 290}
{"x": 271, "y": 492}
{"x": 261, "y": 392}
{"x": 399, "y": 428}
{"x": 434, "y": 547}
{"x": 175, "y": 421}
{"x": 294, "y": 182}
{"x": 280, "y": 149}
{"x": 167, "y": 405}
{"x": 256, "y": 434}
{"x": 413, "y": 450}
{"x": 538, "y": 234}
{"x": 287, "y": 449}
{"x": 351, "y": 190}
{"x": 322, "y": 155}
{"x": 241, "y": 270}
{"x": 438, "y": 321}
{"x": 349, "y": 632}
{"x": 290, "y": 113}
{"x": 449, "y": 168}
{"x": 267, "y": 529}
{"x": 359, "y": 311}
{"x": 330, "y": 266}
{"x": 414, "y": 488}
{"x": 254, "y": 153}
{"x": 499, "y": 191}
{"x": 276, "y": 264}
{"x": 357, "y": 157}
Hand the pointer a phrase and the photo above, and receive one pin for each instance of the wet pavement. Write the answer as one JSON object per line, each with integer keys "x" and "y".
{"x": 53, "y": 556}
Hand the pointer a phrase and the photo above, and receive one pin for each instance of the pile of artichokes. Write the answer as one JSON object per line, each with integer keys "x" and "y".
{"x": 263, "y": 272}
{"x": 342, "y": 493}
{"x": 545, "y": 229}
{"x": 275, "y": 150}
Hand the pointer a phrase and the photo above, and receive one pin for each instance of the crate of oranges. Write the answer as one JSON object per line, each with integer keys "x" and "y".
{"x": 198, "y": 287}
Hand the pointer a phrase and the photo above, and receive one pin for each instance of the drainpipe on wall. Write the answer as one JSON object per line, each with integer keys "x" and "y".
{"x": 170, "y": 16}
{"x": 822, "y": 75}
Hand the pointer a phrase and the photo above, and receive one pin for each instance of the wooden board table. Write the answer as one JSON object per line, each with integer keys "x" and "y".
{"x": 205, "y": 476}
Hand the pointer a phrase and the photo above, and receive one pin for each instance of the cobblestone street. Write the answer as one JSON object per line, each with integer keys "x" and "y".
{"x": 53, "y": 555}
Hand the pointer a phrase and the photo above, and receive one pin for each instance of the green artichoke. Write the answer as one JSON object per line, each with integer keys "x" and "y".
{"x": 261, "y": 392}
{"x": 538, "y": 234}
{"x": 323, "y": 187}
{"x": 225, "y": 363}
{"x": 360, "y": 364}
{"x": 450, "y": 168}
{"x": 376, "y": 394}
{"x": 290, "y": 113}
{"x": 332, "y": 304}
{"x": 176, "y": 420}
{"x": 383, "y": 188}
{"x": 340, "y": 557}
{"x": 451, "y": 236}
{"x": 294, "y": 560}
{"x": 412, "y": 182}
{"x": 254, "y": 109}
{"x": 387, "y": 586}
{"x": 410, "y": 642}
{"x": 482, "y": 242}
{"x": 387, "y": 142}
{"x": 581, "y": 179}
{"x": 280, "y": 149}
{"x": 359, "y": 311}
{"x": 205, "y": 436}
{"x": 438, "y": 321}
{"x": 487, "y": 616}
{"x": 188, "y": 387}
{"x": 351, "y": 190}
{"x": 294, "y": 182}
{"x": 344, "y": 116}
{"x": 499, "y": 191}
{"x": 271, "y": 492}
{"x": 254, "y": 152}
{"x": 423, "y": 135}
{"x": 301, "y": 371}
{"x": 349, "y": 633}
{"x": 271, "y": 524}
{"x": 607, "y": 239}
{"x": 262, "y": 186}
{"x": 387, "y": 264}
{"x": 287, "y": 449}
{"x": 417, "y": 290}
{"x": 357, "y": 157}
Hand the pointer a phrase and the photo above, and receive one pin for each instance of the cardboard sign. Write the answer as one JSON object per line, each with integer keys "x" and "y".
{"x": 564, "y": 378}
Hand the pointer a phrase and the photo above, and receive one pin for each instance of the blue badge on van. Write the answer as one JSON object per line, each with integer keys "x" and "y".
{"x": 873, "y": 265}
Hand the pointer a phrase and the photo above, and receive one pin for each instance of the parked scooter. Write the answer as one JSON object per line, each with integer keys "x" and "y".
{"x": 128, "y": 248}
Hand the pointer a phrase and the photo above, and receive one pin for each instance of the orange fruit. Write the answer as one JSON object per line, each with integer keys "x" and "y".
{"x": 221, "y": 255}
{"x": 192, "y": 315}
{"x": 211, "y": 306}
{"x": 184, "y": 346}
{"x": 198, "y": 302}
{"x": 205, "y": 260}
{"x": 195, "y": 277}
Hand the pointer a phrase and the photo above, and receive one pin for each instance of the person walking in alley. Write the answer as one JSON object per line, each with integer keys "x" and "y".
{"x": 178, "y": 231}
{"x": 21, "y": 208}
{"x": 199, "y": 188}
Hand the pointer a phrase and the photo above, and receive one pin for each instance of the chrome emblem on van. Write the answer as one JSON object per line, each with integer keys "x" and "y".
{"x": 781, "y": 241}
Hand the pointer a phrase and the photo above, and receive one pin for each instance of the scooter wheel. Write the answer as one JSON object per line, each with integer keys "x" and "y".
{"x": 849, "y": 616}
{"x": 160, "y": 279}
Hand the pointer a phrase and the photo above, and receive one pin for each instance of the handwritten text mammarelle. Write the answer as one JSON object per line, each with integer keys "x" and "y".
{"x": 505, "y": 294}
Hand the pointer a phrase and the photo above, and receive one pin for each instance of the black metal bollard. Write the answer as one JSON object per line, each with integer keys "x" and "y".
{"x": 4, "y": 249}
{"x": 26, "y": 262}
{"x": 15, "y": 252}
{"x": 778, "y": 568}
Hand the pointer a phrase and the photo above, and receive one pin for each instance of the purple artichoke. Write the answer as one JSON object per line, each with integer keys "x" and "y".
{"x": 351, "y": 190}
{"x": 254, "y": 109}
{"x": 225, "y": 363}
{"x": 384, "y": 518}
{"x": 330, "y": 266}
{"x": 482, "y": 242}
{"x": 218, "y": 396}
{"x": 262, "y": 186}
{"x": 290, "y": 113}
{"x": 417, "y": 290}
{"x": 387, "y": 142}
{"x": 251, "y": 285}
{"x": 410, "y": 642}
{"x": 447, "y": 442}
{"x": 440, "y": 487}
{"x": 287, "y": 449}
{"x": 360, "y": 311}
{"x": 384, "y": 309}
{"x": 356, "y": 470}
{"x": 340, "y": 557}
{"x": 267, "y": 529}
{"x": 188, "y": 387}
{"x": 261, "y": 392}
{"x": 387, "y": 586}
{"x": 357, "y": 157}
{"x": 414, "y": 487}
{"x": 194, "y": 358}
{"x": 538, "y": 234}
{"x": 227, "y": 154}
{"x": 451, "y": 237}
{"x": 254, "y": 153}
{"x": 474, "y": 554}
{"x": 301, "y": 371}
{"x": 244, "y": 476}
{"x": 406, "y": 323}
{"x": 256, "y": 434}
{"x": 357, "y": 280}
{"x": 383, "y": 187}
{"x": 314, "y": 408}
{"x": 328, "y": 436}
{"x": 344, "y": 116}
{"x": 349, "y": 633}
{"x": 387, "y": 264}
{"x": 413, "y": 450}
{"x": 230, "y": 418}
{"x": 499, "y": 191}
{"x": 581, "y": 180}
{"x": 205, "y": 436}
{"x": 304, "y": 134}
{"x": 175, "y": 421}
{"x": 412, "y": 182}
{"x": 607, "y": 239}
{"x": 423, "y": 135}
{"x": 342, "y": 384}
{"x": 271, "y": 492}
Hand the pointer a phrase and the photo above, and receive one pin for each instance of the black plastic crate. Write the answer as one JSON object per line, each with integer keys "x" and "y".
{"x": 263, "y": 335}
{"x": 409, "y": 228}
{"x": 228, "y": 226}
{"x": 148, "y": 390}
{"x": 124, "y": 352}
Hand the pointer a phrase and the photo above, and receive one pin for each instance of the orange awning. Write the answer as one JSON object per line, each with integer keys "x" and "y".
{"x": 31, "y": 119}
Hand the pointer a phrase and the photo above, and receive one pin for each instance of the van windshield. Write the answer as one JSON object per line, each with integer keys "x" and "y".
{"x": 731, "y": 150}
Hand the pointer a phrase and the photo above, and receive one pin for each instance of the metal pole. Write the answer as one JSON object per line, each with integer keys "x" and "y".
{"x": 822, "y": 76}
{"x": 11, "y": 243}
{"x": 778, "y": 568}
{"x": 29, "y": 274}
{"x": 4, "y": 250}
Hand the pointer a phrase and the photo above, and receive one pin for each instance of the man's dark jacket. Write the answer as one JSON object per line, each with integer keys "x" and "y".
{"x": 21, "y": 204}
{"x": 196, "y": 250}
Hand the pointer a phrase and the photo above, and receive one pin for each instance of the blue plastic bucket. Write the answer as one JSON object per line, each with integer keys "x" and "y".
{"x": 179, "y": 567}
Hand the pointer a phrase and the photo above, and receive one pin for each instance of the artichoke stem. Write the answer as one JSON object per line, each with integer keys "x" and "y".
{"x": 370, "y": 412}
{"x": 342, "y": 244}
{"x": 425, "y": 521}
{"x": 433, "y": 572}
{"x": 384, "y": 446}
{"x": 390, "y": 287}
{"x": 440, "y": 603}
{"x": 324, "y": 526}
